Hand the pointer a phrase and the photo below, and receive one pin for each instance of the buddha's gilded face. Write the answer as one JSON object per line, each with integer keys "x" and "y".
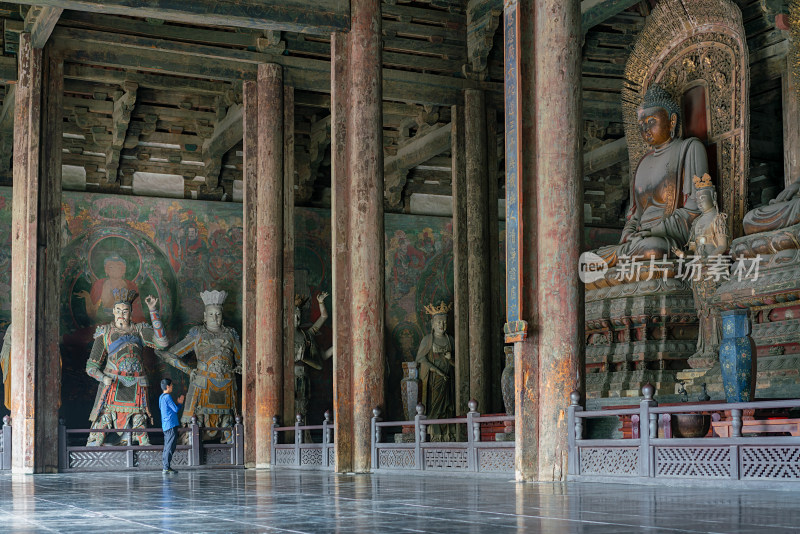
{"x": 656, "y": 125}
{"x": 213, "y": 318}
{"x": 122, "y": 315}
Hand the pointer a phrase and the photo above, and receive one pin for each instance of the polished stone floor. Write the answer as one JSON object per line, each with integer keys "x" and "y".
{"x": 292, "y": 501}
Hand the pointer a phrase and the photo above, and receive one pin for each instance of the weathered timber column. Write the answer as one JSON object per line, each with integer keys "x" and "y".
{"x": 289, "y": 408}
{"x": 35, "y": 251}
{"x": 791, "y": 124}
{"x": 479, "y": 273}
{"x": 249, "y": 288}
{"x": 460, "y": 260}
{"x": 559, "y": 229}
{"x": 269, "y": 336}
{"x": 522, "y": 299}
{"x": 366, "y": 235}
{"x": 340, "y": 214}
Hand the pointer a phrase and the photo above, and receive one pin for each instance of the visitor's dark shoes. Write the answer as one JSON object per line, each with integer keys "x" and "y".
{"x": 169, "y": 472}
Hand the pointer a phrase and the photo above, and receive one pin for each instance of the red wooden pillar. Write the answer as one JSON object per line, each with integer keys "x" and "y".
{"x": 35, "y": 251}
{"x": 559, "y": 229}
{"x": 269, "y": 271}
{"x": 358, "y": 232}
{"x": 249, "y": 289}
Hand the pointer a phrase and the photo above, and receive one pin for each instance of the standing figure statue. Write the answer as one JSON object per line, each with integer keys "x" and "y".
{"x": 116, "y": 362}
{"x": 306, "y": 351}
{"x": 437, "y": 373}
{"x": 5, "y": 365}
{"x": 662, "y": 203}
{"x": 211, "y": 396}
{"x": 708, "y": 241}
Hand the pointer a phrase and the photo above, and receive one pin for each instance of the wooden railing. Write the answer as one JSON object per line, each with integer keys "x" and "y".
{"x": 470, "y": 456}
{"x": 197, "y": 455}
{"x": 302, "y": 453}
{"x": 648, "y": 456}
{"x": 5, "y": 444}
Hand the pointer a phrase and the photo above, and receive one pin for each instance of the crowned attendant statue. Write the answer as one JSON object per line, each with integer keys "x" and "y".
{"x": 662, "y": 199}
{"x": 211, "y": 396}
{"x": 437, "y": 373}
{"x": 5, "y": 365}
{"x": 116, "y": 362}
{"x": 708, "y": 241}
{"x": 306, "y": 351}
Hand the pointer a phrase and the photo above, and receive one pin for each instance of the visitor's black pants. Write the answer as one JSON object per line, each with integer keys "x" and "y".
{"x": 170, "y": 442}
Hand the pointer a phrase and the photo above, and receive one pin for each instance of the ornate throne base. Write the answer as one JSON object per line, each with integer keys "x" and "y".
{"x": 637, "y": 332}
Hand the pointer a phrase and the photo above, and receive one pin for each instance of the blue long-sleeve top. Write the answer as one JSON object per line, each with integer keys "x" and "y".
{"x": 169, "y": 411}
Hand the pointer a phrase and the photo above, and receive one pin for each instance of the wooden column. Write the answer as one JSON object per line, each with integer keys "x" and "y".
{"x": 366, "y": 235}
{"x": 791, "y": 124}
{"x": 249, "y": 288}
{"x": 340, "y": 214}
{"x": 559, "y": 229}
{"x": 269, "y": 273}
{"x": 477, "y": 244}
{"x": 460, "y": 261}
{"x": 289, "y": 408}
{"x": 35, "y": 251}
{"x": 521, "y": 247}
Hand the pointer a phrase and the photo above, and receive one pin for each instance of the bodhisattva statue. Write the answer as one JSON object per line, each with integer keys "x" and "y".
{"x": 306, "y": 351}
{"x": 211, "y": 396}
{"x": 708, "y": 241}
{"x": 781, "y": 212}
{"x": 662, "y": 204}
{"x": 5, "y": 364}
{"x": 116, "y": 362}
{"x": 437, "y": 374}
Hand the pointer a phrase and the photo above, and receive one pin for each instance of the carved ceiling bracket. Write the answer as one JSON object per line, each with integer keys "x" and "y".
{"x": 482, "y": 21}
{"x": 124, "y": 102}
{"x": 307, "y": 162}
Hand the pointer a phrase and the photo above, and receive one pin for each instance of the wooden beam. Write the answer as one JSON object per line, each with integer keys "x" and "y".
{"x": 320, "y": 17}
{"x": 227, "y": 134}
{"x": 605, "y": 156}
{"x": 8, "y": 70}
{"x": 594, "y": 12}
{"x": 152, "y": 81}
{"x": 419, "y": 150}
{"x": 40, "y": 21}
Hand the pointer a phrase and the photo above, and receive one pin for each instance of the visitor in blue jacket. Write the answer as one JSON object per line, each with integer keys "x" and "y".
{"x": 169, "y": 423}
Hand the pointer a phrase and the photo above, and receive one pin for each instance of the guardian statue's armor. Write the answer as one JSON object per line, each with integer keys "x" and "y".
{"x": 212, "y": 387}
{"x": 116, "y": 362}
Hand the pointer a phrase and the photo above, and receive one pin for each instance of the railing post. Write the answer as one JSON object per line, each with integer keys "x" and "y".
{"x": 575, "y": 426}
{"x": 645, "y": 426}
{"x": 238, "y": 441}
{"x": 419, "y": 435}
{"x": 375, "y": 436}
{"x": 7, "y": 442}
{"x": 736, "y": 423}
{"x": 63, "y": 457}
{"x": 129, "y": 454}
{"x": 473, "y": 435}
{"x": 194, "y": 460}
{"x": 298, "y": 437}
{"x": 274, "y": 440}
{"x": 326, "y": 438}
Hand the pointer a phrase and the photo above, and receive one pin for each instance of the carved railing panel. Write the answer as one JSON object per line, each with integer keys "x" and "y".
{"x": 617, "y": 461}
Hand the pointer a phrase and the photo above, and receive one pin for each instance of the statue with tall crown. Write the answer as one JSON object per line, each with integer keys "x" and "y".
{"x": 437, "y": 373}
{"x": 306, "y": 351}
{"x": 116, "y": 362}
{"x": 212, "y": 393}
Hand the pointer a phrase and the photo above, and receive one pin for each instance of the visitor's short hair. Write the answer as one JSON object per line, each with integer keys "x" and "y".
{"x": 657, "y": 97}
{"x": 165, "y": 383}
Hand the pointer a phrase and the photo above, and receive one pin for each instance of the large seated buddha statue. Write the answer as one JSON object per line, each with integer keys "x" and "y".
{"x": 781, "y": 212}
{"x": 662, "y": 205}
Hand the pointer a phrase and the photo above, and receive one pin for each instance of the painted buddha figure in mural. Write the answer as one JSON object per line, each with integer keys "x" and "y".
{"x": 781, "y": 212}
{"x": 100, "y": 301}
{"x": 212, "y": 392}
{"x": 437, "y": 373}
{"x": 307, "y": 352}
{"x": 116, "y": 362}
{"x": 662, "y": 203}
